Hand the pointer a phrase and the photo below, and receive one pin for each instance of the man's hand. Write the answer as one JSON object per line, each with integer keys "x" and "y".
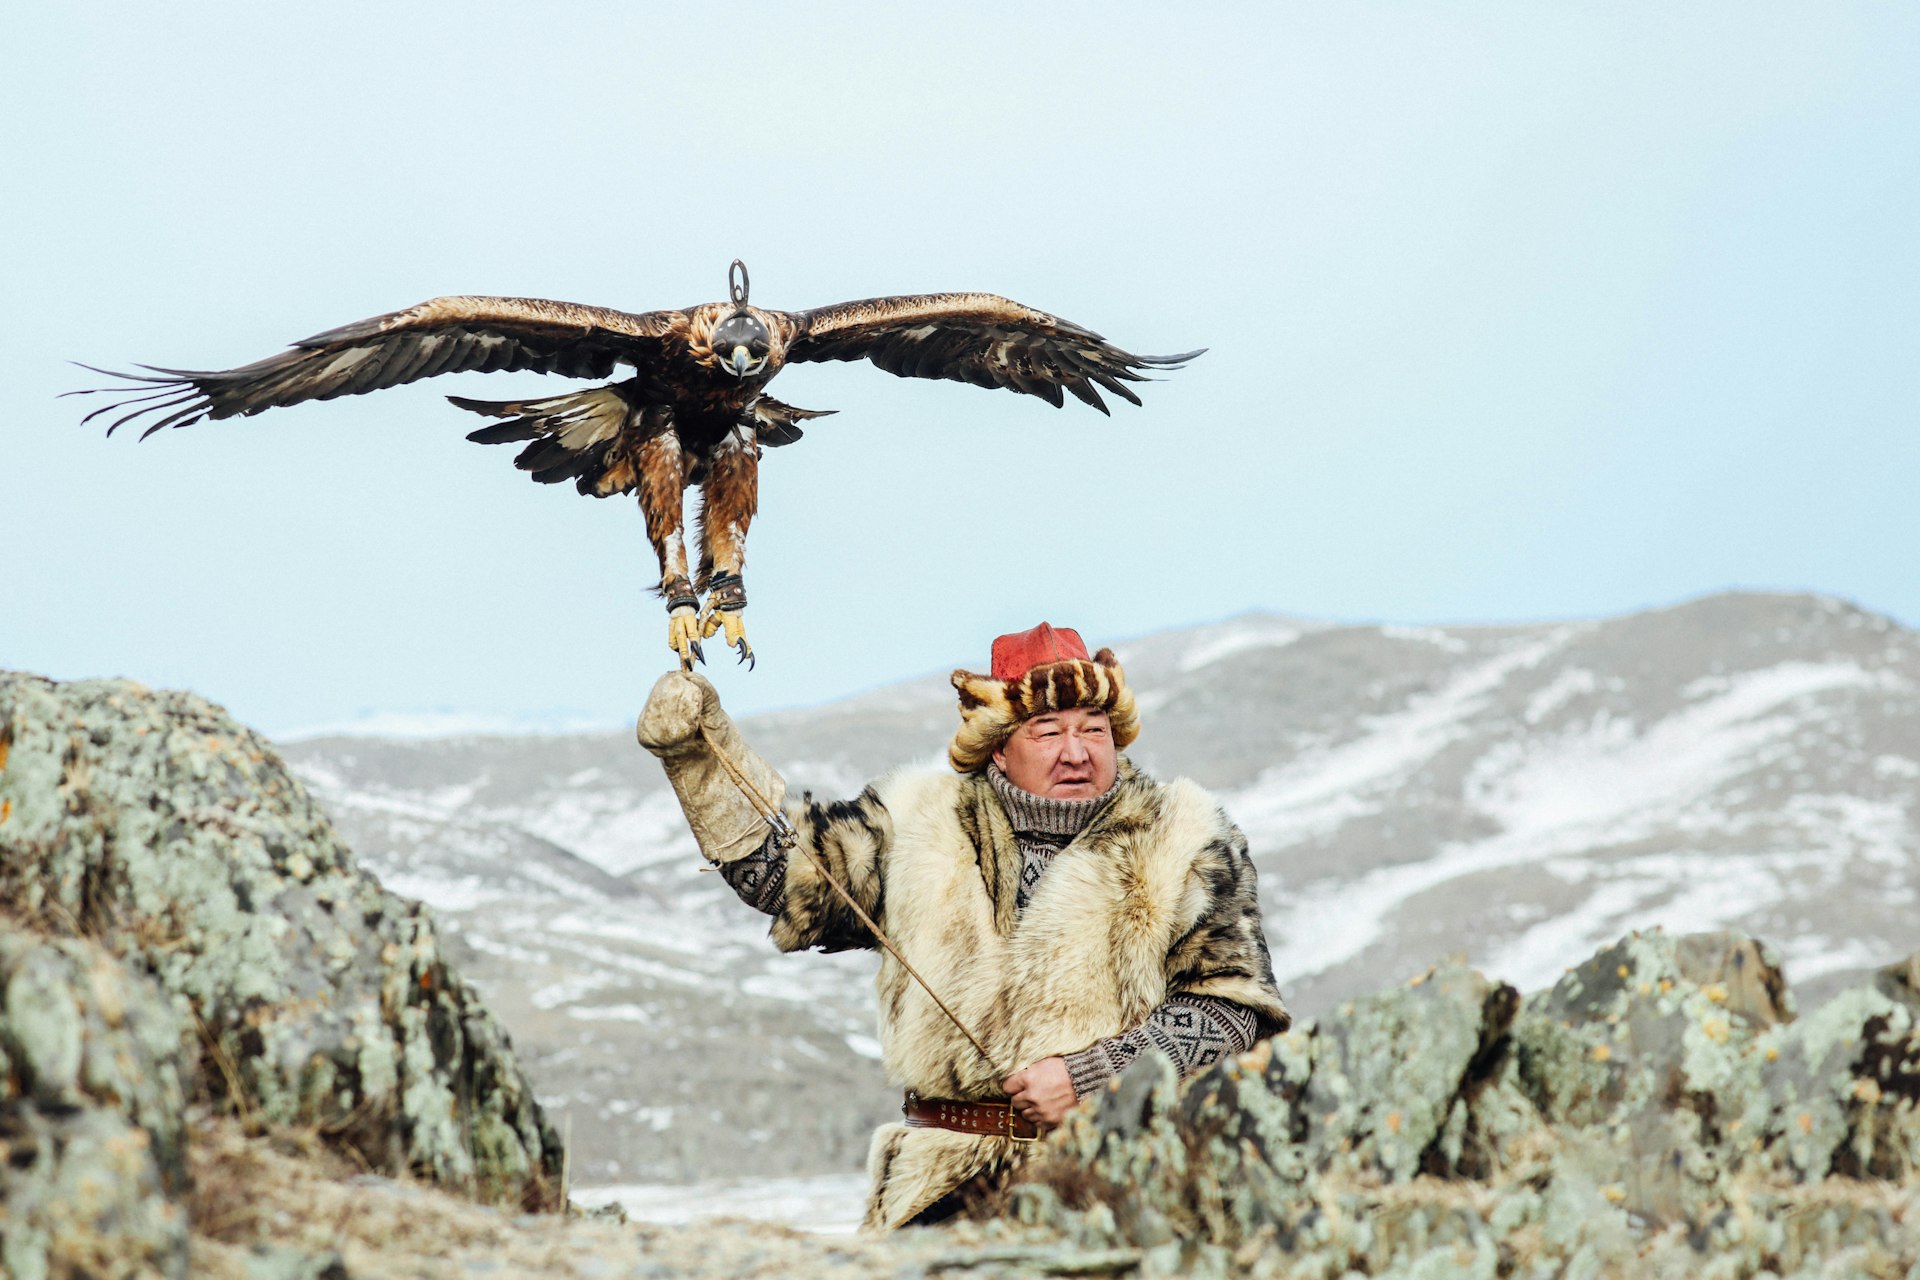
{"x": 1043, "y": 1093}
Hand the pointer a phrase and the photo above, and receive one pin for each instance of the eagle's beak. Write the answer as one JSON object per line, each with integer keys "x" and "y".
{"x": 740, "y": 363}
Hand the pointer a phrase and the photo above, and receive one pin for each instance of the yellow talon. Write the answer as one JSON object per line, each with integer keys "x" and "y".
{"x": 683, "y": 636}
{"x": 734, "y": 623}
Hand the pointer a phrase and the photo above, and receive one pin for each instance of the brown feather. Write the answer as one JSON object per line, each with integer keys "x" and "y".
{"x": 444, "y": 335}
{"x": 980, "y": 338}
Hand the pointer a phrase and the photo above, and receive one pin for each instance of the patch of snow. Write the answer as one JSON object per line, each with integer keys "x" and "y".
{"x": 1611, "y": 778}
{"x": 1562, "y": 689}
{"x": 566, "y": 991}
{"x": 1680, "y": 892}
{"x": 829, "y": 1204}
{"x": 1895, "y": 767}
{"x": 1806, "y": 958}
{"x": 613, "y": 1013}
{"x": 1856, "y": 827}
{"x": 1603, "y": 785}
{"x": 615, "y": 832}
{"x": 443, "y": 894}
{"x": 1238, "y": 637}
{"x": 1319, "y": 788}
{"x": 1426, "y": 635}
{"x": 1536, "y": 958}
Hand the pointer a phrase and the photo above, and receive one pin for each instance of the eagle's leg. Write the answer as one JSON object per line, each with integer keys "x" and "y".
{"x": 662, "y": 481}
{"x": 729, "y": 498}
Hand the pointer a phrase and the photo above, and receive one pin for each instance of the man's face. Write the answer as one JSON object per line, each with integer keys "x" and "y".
{"x": 1063, "y": 755}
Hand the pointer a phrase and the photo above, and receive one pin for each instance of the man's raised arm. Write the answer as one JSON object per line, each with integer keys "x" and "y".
{"x": 684, "y": 725}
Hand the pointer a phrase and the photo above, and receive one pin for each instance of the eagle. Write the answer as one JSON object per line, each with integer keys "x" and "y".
{"x": 693, "y": 412}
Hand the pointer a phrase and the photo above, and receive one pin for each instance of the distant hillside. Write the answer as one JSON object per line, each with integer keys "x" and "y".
{"x": 1520, "y": 795}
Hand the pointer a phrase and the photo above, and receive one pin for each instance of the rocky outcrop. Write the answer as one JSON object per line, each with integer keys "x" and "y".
{"x": 190, "y": 958}
{"x": 178, "y": 916}
{"x": 1658, "y": 1111}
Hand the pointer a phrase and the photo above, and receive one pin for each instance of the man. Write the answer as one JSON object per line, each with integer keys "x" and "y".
{"x": 1068, "y": 910}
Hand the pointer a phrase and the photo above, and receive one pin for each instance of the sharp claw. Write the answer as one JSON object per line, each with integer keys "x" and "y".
{"x": 683, "y": 637}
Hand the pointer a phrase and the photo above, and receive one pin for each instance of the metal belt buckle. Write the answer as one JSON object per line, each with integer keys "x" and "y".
{"x": 1011, "y": 1117}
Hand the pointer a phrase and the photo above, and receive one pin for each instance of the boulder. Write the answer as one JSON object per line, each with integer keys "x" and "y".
{"x": 96, "y": 1066}
{"x": 154, "y": 825}
{"x": 1659, "y": 1111}
{"x": 1379, "y": 1092}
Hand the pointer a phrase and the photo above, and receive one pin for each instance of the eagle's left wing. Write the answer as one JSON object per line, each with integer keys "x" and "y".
{"x": 980, "y": 338}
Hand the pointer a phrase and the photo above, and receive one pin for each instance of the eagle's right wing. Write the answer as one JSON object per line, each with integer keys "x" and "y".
{"x": 444, "y": 335}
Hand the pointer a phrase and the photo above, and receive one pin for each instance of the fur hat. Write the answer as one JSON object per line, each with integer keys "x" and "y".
{"x": 1045, "y": 669}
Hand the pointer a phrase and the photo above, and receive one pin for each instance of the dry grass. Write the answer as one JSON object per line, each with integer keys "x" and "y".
{"x": 289, "y": 1189}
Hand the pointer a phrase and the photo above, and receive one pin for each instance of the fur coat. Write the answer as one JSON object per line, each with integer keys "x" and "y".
{"x": 1156, "y": 897}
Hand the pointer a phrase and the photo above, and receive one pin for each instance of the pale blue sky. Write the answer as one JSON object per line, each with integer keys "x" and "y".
{"x": 1515, "y": 312}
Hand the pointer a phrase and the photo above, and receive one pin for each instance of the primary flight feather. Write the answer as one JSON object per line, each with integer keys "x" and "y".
{"x": 694, "y": 410}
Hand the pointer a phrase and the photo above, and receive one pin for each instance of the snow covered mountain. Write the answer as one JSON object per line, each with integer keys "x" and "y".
{"x": 1518, "y": 794}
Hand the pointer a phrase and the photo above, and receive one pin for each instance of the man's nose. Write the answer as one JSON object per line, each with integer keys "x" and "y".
{"x": 1074, "y": 749}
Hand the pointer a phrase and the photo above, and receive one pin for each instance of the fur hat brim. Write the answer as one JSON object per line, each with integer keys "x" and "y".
{"x": 990, "y": 710}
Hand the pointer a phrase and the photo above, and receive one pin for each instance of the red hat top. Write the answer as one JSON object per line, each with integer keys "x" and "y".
{"x": 1016, "y": 654}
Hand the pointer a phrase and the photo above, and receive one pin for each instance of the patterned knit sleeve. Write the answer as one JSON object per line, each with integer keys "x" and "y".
{"x": 1194, "y": 1031}
{"x": 850, "y": 839}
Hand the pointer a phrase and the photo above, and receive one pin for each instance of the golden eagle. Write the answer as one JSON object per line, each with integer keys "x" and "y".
{"x": 694, "y": 411}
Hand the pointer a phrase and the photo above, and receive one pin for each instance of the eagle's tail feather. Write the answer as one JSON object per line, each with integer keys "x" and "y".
{"x": 573, "y": 436}
{"x": 775, "y": 423}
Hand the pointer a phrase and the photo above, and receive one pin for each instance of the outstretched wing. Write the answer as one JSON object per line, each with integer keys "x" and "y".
{"x": 445, "y": 335}
{"x": 980, "y": 338}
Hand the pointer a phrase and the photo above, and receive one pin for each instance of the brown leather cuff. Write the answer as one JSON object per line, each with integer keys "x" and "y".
{"x": 987, "y": 1119}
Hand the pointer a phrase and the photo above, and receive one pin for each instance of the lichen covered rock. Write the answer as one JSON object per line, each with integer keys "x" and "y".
{"x": 1377, "y": 1094}
{"x": 95, "y": 1072}
{"x": 157, "y": 826}
{"x": 1657, "y": 1112}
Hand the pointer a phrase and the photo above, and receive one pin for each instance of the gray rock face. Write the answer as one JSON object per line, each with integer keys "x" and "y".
{"x": 1658, "y": 1111}
{"x": 155, "y": 826}
{"x": 95, "y": 1071}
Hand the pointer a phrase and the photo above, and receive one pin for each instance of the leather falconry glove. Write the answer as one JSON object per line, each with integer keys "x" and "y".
{"x": 722, "y": 818}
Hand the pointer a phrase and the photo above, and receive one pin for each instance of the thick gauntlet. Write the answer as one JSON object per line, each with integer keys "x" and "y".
{"x": 723, "y": 819}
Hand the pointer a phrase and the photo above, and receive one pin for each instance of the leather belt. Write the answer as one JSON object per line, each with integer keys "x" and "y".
{"x": 988, "y": 1119}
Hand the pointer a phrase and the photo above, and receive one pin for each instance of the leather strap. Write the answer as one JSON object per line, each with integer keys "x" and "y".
{"x": 987, "y": 1119}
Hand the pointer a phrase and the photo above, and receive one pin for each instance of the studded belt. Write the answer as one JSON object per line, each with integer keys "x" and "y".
{"x": 988, "y": 1119}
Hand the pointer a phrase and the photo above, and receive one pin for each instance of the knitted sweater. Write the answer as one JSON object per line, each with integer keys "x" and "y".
{"x": 1194, "y": 1031}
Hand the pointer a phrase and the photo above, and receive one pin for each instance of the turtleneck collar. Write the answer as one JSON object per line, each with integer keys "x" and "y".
{"x": 1042, "y": 815}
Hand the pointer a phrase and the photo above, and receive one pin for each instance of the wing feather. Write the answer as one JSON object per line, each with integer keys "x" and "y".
{"x": 444, "y": 335}
{"x": 980, "y": 338}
